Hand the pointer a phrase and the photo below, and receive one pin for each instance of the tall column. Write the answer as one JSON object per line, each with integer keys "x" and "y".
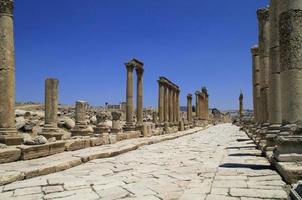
{"x": 161, "y": 102}
{"x": 197, "y": 105}
{"x": 202, "y": 106}
{"x": 139, "y": 100}
{"x": 282, "y": 7}
{"x": 189, "y": 108}
{"x": 291, "y": 58}
{"x": 241, "y": 106}
{"x": 256, "y": 83}
{"x": 8, "y": 132}
{"x": 175, "y": 110}
{"x": 166, "y": 103}
{"x": 171, "y": 104}
{"x": 275, "y": 115}
{"x": 177, "y": 106}
{"x": 129, "y": 97}
{"x": 205, "y": 104}
{"x": 264, "y": 39}
{"x": 51, "y": 103}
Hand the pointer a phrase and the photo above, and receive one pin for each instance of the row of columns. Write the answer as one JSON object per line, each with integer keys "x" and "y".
{"x": 130, "y": 66}
{"x": 277, "y": 64}
{"x": 168, "y": 101}
{"x": 277, "y": 86}
{"x": 202, "y": 104}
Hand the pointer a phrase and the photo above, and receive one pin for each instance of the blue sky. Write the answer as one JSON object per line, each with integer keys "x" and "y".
{"x": 85, "y": 43}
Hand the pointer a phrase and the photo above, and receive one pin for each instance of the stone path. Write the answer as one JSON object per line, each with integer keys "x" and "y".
{"x": 217, "y": 163}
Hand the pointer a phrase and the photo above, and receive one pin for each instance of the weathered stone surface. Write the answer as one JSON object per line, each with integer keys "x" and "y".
{"x": 10, "y": 176}
{"x": 9, "y": 155}
{"x": 37, "y": 151}
{"x": 76, "y": 144}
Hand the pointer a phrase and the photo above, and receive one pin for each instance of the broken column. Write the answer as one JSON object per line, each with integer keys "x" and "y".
{"x": 129, "y": 97}
{"x": 8, "y": 132}
{"x": 116, "y": 123}
{"x": 51, "y": 110}
{"x": 189, "y": 108}
{"x": 264, "y": 48}
{"x": 139, "y": 108}
{"x": 81, "y": 127}
{"x": 102, "y": 127}
{"x": 240, "y": 106}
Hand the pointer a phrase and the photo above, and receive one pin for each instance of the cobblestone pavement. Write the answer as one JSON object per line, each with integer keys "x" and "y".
{"x": 217, "y": 163}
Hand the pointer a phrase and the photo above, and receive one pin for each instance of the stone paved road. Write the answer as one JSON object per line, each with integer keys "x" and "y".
{"x": 217, "y": 163}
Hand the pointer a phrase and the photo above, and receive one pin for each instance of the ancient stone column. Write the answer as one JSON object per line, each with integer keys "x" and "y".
{"x": 206, "y": 103}
{"x": 154, "y": 117}
{"x": 177, "y": 106}
{"x": 264, "y": 47}
{"x": 197, "y": 105}
{"x": 139, "y": 100}
{"x": 129, "y": 97}
{"x": 202, "y": 106}
{"x": 81, "y": 128}
{"x": 175, "y": 110}
{"x": 256, "y": 83}
{"x": 161, "y": 101}
{"x": 275, "y": 115}
{"x": 51, "y": 109}
{"x": 116, "y": 124}
{"x": 171, "y": 105}
{"x": 241, "y": 106}
{"x": 291, "y": 58}
{"x": 8, "y": 132}
{"x": 166, "y": 103}
{"x": 189, "y": 108}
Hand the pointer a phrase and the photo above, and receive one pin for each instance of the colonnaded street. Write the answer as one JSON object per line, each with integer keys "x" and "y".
{"x": 220, "y": 162}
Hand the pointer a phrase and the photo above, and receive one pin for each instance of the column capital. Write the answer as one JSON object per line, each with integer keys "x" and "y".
{"x": 189, "y": 96}
{"x": 255, "y": 50}
{"x": 263, "y": 14}
{"x": 7, "y": 7}
{"x": 139, "y": 71}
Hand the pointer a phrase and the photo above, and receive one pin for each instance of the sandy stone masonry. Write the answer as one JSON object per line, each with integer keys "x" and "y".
{"x": 8, "y": 132}
{"x": 276, "y": 128}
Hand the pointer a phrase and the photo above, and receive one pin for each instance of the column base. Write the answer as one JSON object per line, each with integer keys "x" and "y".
{"x": 50, "y": 131}
{"x": 129, "y": 126}
{"x": 101, "y": 129}
{"x": 10, "y": 136}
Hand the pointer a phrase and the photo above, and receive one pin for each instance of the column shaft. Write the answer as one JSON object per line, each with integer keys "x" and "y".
{"x": 264, "y": 39}
{"x": 189, "y": 108}
{"x": 291, "y": 59}
{"x": 197, "y": 107}
{"x": 8, "y": 132}
{"x": 166, "y": 104}
{"x": 129, "y": 95}
{"x": 139, "y": 100}
{"x": 171, "y": 105}
{"x": 51, "y": 103}
{"x": 161, "y": 102}
{"x": 275, "y": 115}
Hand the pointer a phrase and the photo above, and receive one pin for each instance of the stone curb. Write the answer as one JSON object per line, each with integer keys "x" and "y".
{"x": 11, "y": 172}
